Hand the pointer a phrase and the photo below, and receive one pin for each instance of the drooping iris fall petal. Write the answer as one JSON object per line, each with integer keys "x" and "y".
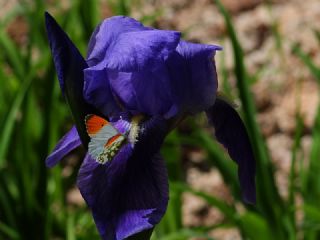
{"x": 69, "y": 142}
{"x": 129, "y": 194}
{"x": 202, "y": 83}
{"x": 231, "y": 132}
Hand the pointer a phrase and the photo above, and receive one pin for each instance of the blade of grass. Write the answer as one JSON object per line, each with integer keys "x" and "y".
{"x": 268, "y": 193}
{"x": 171, "y": 221}
{"x": 225, "y": 76}
{"x": 120, "y": 7}
{"x": 228, "y": 210}
{"x": 13, "y": 55}
{"x": 71, "y": 235}
{"x": 311, "y": 224}
{"x": 254, "y": 225}
{"x": 89, "y": 16}
{"x": 7, "y": 202}
{"x": 10, "y": 120}
{"x": 292, "y": 188}
{"x": 313, "y": 212}
{"x": 310, "y": 175}
{"x": 218, "y": 158}
{"x": 317, "y": 34}
{"x": 185, "y": 234}
{"x": 16, "y": 10}
{"x": 11, "y": 233}
{"x": 311, "y": 186}
{"x": 171, "y": 151}
{"x": 307, "y": 61}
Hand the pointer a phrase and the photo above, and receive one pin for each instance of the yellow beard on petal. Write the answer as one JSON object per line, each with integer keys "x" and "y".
{"x": 135, "y": 128}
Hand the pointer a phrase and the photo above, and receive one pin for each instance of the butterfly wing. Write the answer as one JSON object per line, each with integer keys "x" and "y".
{"x": 105, "y": 139}
{"x": 94, "y": 124}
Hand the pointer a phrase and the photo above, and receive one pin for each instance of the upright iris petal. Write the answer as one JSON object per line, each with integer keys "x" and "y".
{"x": 193, "y": 74}
{"x": 97, "y": 91}
{"x": 136, "y": 84}
{"x": 150, "y": 71}
{"x": 106, "y": 34}
{"x": 129, "y": 65}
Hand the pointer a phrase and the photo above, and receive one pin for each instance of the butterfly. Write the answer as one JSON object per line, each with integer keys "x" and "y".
{"x": 105, "y": 141}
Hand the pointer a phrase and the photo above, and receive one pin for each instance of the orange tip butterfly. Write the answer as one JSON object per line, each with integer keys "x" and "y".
{"x": 105, "y": 139}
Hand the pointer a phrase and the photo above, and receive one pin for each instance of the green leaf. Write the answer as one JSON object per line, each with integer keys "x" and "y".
{"x": 172, "y": 220}
{"x": 218, "y": 158}
{"x": 307, "y": 60}
{"x": 311, "y": 180}
{"x": 269, "y": 200}
{"x": 312, "y": 212}
{"x": 5, "y": 135}
{"x": 185, "y": 234}
{"x": 120, "y": 7}
{"x": 228, "y": 210}
{"x": 12, "y": 54}
{"x": 254, "y": 225}
{"x": 8, "y": 231}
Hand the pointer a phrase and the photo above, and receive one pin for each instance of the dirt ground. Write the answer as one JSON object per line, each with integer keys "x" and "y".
{"x": 284, "y": 85}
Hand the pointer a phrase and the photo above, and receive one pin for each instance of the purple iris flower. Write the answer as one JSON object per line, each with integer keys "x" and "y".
{"x": 144, "y": 81}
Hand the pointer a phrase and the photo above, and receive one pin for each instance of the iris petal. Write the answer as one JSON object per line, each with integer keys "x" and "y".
{"x": 137, "y": 70}
{"x": 194, "y": 78}
{"x": 143, "y": 92}
{"x": 97, "y": 91}
{"x": 69, "y": 65}
{"x": 69, "y": 142}
{"x": 129, "y": 194}
{"x": 137, "y": 51}
{"x": 63, "y": 50}
{"x": 231, "y": 132}
{"x": 106, "y": 33}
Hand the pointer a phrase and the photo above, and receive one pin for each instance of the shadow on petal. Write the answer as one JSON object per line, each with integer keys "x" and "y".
{"x": 97, "y": 91}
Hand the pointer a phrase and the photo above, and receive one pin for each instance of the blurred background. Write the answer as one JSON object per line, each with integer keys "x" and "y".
{"x": 270, "y": 68}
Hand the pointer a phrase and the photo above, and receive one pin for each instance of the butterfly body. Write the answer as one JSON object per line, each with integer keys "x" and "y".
{"x": 105, "y": 140}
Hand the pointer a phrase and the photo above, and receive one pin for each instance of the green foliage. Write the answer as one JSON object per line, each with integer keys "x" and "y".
{"x": 33, "y": 116}
{"x": 310, "y": 182}
{"x": 33, "y": 200}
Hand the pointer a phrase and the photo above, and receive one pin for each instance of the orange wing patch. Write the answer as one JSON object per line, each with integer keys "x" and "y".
{"x": 94, "y": 123}
{"x": 112, "y": 139}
